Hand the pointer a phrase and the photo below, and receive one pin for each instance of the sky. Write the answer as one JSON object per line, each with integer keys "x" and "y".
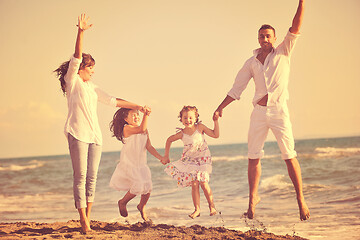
{"x": 167, "y": 54}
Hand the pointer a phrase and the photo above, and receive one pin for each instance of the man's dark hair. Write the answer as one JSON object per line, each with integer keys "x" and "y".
{"x": 267, "y": 26}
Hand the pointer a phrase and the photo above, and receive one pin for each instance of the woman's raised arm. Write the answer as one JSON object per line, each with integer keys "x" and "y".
{"x": 82, "y": 26}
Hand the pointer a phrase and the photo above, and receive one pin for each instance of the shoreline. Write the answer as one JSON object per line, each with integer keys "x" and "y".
{"x": 140, "y": 230}
{"x": 161, "y": 148}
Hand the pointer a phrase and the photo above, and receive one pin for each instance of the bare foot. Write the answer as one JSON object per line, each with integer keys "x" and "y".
{"x": 195, "y": 214}
{"x": 251, "y": 210}
{"x": 85, "y": 226}
{"x": 142, "y": 212}
{"x": 212, "y": 211}
{"x": 304, "y": 210}
{"x": 122, "y": 209}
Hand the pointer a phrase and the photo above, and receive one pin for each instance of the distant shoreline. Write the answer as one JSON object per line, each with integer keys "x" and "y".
{"x": 161, "y": 149}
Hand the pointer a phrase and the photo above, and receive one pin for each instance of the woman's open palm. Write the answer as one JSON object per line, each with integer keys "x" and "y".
{"x": 83, "y": 22}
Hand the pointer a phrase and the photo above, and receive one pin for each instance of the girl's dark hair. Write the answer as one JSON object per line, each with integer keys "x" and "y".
{"x": 188, "y": 109}
{"x": 87, "y": 60}
{"x": 118, "y": 123}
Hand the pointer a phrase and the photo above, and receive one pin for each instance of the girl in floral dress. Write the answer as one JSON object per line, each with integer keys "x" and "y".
{"x": 194, "y": 167}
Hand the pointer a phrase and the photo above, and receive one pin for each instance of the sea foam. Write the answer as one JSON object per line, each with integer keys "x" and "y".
{"x": 240, "y": 157}
{"x": 336, "y": 152}
{"x": 275, "y": 182}
{"x": 31, "y": 165}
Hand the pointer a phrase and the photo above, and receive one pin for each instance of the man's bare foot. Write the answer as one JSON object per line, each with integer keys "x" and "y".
{"x": 142, "y": 212}
{"x": 251, "y": 210}
{"x": 122, "y": 209}
{"x": 212, "y": 211}
{"x": 304, "y": 210}
{"x": 195, "y": 214}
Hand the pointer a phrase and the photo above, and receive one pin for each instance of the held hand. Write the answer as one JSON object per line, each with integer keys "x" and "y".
{"x": 83, "y": 22}
{"x": 217, "y": 114}
{"x": 165, "y": 160}
{"x": 147, "y": 110}
{"x": 141, "y": 109}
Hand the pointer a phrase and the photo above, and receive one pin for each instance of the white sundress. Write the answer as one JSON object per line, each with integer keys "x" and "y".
{"x": 195, "y": 163}
{"x": 132, "y": 172}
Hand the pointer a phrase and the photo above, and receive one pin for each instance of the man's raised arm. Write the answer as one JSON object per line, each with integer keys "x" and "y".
{"x": 298, "y": 18}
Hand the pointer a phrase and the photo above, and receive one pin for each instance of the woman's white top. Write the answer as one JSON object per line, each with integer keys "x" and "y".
{"x": 82, "y": 97}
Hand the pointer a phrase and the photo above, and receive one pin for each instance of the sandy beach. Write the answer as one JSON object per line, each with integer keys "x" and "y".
{"x": 33, "y": 185}
{"x": 140, "y": 230}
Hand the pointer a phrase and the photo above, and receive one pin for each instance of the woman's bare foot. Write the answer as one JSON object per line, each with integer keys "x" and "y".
{"x": 142, "y": 212}
{"x": 304, "y": 210}
{"x": 85, "y": 226}
{"x": 252, "y": 204}
{"x": 122, "y": 209}
{"x": 195, "y": 214}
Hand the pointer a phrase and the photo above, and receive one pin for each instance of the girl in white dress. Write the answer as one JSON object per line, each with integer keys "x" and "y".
{"x": 132, "y": 173}
{"x": 194, "y": 167}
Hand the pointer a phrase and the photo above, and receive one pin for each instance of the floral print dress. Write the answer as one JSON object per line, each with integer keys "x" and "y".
{"x": 195, "y": 162}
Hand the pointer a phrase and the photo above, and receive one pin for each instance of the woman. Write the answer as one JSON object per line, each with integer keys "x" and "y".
{"x": 82, "y": 127}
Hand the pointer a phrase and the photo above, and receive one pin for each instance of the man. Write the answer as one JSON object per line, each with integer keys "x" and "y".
{"x": 270, "y": 67}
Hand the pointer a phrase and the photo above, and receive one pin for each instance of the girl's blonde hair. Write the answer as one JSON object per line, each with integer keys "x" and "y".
{"x": 188, "y": 109}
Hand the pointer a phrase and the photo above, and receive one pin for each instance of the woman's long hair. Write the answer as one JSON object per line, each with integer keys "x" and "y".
{"x": 87, "y": 60}
{"x": 118, "y": 123}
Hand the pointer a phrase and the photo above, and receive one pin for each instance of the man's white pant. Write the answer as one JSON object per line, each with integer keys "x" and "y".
{"x": 277, "y": 119}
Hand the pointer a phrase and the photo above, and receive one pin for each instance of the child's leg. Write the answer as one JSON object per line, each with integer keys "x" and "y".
{"x": 196, "y": 199}
{"x": 141, "y": 207}
{"x": 122, "y": 203}
{"x": 209, "y": 197}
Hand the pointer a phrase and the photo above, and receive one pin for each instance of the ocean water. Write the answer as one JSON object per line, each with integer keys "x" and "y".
{"x": 40, "y": 189}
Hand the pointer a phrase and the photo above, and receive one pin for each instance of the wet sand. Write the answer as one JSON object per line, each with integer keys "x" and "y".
{"x": 140, "y": 230}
